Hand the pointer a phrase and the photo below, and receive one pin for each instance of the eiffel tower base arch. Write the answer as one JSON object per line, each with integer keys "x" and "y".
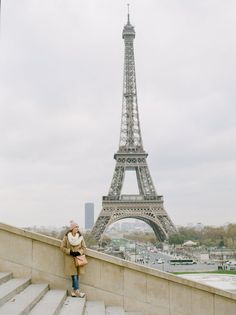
{"x": 151, "y": 212}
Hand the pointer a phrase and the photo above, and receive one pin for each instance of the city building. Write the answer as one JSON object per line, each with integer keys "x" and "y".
{"x": 89, "y": 215}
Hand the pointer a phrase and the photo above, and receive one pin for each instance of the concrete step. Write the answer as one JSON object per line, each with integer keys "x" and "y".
{"x": 20, "y": 297}
{"x": 5, "y": 276}
{"x": 11, "y": 288}
{"x": 23, "y": 302}
{"x": 73, "y": 306}
{"x": 95, "y": 307}
{"x": 50, "y": 304}
{"x": 115, "y": 310}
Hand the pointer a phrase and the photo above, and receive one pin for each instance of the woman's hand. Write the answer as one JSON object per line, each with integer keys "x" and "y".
{"x": 74, "y": 254}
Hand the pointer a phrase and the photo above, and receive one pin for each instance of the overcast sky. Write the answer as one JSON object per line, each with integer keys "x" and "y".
{"x": 61, "y": 74}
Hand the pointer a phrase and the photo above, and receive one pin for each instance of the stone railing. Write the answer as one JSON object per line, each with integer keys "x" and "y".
{"x": 113, "y": 280}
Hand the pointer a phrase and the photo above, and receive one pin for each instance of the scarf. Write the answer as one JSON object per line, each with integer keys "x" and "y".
{"x": 74, "y": 240}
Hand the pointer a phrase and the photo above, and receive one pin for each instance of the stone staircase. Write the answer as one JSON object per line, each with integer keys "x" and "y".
{"x": 20, "y": 297}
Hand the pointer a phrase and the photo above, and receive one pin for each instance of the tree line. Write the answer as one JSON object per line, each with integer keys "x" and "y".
{"x": 223, "y": 236}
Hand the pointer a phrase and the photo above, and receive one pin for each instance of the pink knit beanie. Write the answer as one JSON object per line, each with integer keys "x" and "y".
{"x": 73, "y": 224}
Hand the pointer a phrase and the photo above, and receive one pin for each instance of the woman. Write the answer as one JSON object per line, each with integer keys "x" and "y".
{"x": 73, "y": 245}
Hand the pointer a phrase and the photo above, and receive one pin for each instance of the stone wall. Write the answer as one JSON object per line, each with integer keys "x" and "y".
{"x": 111, "y": 279}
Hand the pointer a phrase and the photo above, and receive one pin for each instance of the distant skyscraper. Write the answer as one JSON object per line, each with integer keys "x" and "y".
{"x": 89, "y": 215}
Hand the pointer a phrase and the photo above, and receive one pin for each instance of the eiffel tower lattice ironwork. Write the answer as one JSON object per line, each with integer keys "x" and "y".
{"x": 147, "y": 205}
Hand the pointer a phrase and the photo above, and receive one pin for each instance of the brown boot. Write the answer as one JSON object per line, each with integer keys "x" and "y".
{"x": 73, "y": 293}
{"x": 79, "y": 294}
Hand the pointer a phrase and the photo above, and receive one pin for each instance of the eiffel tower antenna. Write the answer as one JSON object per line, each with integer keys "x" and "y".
{"x": 128, "y": 13}
{"x": 147, "y": 205}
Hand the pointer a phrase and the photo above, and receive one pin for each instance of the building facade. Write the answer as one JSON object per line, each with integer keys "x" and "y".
{"x": 89, "y": 215}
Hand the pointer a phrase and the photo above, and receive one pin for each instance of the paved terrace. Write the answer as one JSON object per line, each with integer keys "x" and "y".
{"x": 220, "y": 281}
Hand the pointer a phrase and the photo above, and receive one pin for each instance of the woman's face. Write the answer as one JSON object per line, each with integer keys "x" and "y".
{"x": 75, "y": 230}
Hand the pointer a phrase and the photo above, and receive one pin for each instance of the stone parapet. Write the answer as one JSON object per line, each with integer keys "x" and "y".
{"x": 113, "y": 280}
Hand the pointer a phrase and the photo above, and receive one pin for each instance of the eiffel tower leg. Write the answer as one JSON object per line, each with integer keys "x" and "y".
{"x": 158, "y": 231}
{"x": 100, "y": 226}
{"x": 139, "y": 181}
{"x": 117, "y": 181}
{"x": 146, "y": 180}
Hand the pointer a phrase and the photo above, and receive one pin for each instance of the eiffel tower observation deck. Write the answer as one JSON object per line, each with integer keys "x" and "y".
{"x": 147, "y": 205}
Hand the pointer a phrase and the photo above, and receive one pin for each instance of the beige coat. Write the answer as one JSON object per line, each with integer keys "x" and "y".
{"x": 69, "y": 267}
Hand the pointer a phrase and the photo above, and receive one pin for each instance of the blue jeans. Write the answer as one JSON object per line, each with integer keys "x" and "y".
{"x": 75, "y": 282}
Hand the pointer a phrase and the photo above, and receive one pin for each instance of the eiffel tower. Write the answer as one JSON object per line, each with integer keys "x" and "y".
{"x": 147, "y": 205}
